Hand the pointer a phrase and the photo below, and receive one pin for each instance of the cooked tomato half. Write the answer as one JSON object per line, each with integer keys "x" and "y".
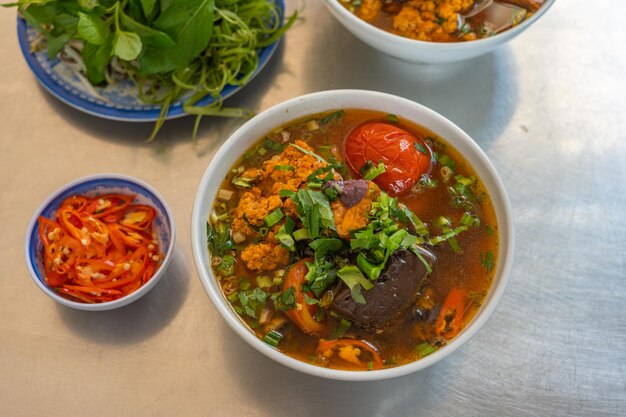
{"x": 405, "y": 157}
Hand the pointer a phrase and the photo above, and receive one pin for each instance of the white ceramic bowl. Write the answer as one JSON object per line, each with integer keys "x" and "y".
{"x": 425, "y": 52}
{"x": 299, "y": 107}
{"x": 91, "y": 186}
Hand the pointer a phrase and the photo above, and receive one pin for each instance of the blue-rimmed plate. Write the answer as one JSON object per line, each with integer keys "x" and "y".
{"x": 115, "y": 101}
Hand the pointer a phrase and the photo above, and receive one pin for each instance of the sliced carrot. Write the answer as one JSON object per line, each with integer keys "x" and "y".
{"x": 450, "y": 320}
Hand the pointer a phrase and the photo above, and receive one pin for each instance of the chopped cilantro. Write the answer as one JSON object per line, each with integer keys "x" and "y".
{"x": 487, "y": 260}
{"x": 425, "y": 349}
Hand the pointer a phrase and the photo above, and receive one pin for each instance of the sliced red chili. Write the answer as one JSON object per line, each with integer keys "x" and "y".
{"x": 100, "y": 249}
{"x": 109, "y": 207}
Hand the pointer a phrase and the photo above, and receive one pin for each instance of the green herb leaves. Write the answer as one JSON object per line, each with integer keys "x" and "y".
{"x": 487, "y": 260}
{"x": 355, "y": 280}
{"x": 92, "y": 29}
{"x": 314, "y": 211}
{"x": 127, "y": 45}
{"x": 190, "y": 24}
{"x": 218, "y": 238}
{"x": 166, "y": 47}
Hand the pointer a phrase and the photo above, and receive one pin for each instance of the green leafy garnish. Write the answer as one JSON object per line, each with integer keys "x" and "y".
{"x": 332, "y": 116}
{"x": 285, "y": 234}
{"x": 307, "y": 152}
{"x": 274, "y": 217}
{"x": 355, "y": 280}
{"x": 251, "y": 301}
{"x": 421, "y": 148}
{"x": 170, "y": 49}
{"x": 218, "y": 238}
{"x": 425, "y": 349}
{"x": 487, "y": 260}
{"x": 227, "y": 266}
{"x": 285, "y": 300}
{"x": 273, "y": 338}
{"x": 369, "y": 170}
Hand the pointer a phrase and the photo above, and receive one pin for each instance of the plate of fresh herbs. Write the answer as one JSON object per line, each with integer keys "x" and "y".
{"x": 149, "y": 60}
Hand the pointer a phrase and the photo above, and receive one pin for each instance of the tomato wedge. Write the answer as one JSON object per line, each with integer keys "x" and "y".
{"x": 303, "y": 315}
{"x": 450, "y": 320}
{"x": 405, "y": 157}
{"x": 354, "y": 353}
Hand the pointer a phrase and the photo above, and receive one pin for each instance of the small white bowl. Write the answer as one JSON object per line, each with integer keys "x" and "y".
{"x": 423, "y": 52}
{"x": 299, "y": 107}
{"x": 91, "y": 186}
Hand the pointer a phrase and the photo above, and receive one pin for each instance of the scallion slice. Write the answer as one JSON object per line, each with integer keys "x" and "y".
{"x": 341, "y": 328}
{"x": 284, "y": 168}
{"x": 273, "y": 338}
{"x": 274, "y": 217}
{"x": 301, "y": 234}
{"x": 369, "y": 171}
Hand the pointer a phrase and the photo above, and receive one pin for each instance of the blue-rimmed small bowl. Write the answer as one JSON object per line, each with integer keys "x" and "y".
{"x": 92, "y": 186}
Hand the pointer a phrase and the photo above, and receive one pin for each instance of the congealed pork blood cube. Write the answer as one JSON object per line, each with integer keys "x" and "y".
{"x": 394, "y": 292}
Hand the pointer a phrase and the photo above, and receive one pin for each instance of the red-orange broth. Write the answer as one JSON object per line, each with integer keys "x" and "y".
{"x": 461, "y": 272}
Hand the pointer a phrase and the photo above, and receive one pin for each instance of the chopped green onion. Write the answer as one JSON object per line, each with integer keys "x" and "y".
{"x": 421, "y": 148}
{"x": 274, "y": 217}
{"x": 301, "y": 234}
{"x": 442, "y": 238}
{"x": 487, "y": 260}
{"x": 369, "y": 171}
{"x": 455, "y": 245}
{"x": 314, "y": 221}
{"x": 323, "y": 246}
{"x": 273, "y": 146}
{"x": 285, "y": 300}
{"x": 393, "y": 118}
{"x": 310, "y": 300}
{"x": 417, "y": 253}
{"x": 286, "y": 193}
{"x": 264, "y": 281}
{"x": 227, "y": 266}
{"x": 355, "y": 280}
{"x": 307, "y": 152}
{"x": 336, "y": 115}
{"x": 341, "y": 328}
{"x": 284, "y": 168}
{"x": 273, "y": 338}
{"x": 284, "y": 234}
{"x": 243, "y": 182}
{"x": 370, "y": 270}
{"x": 447, "y": 161}
{"x": 425, "y": 349}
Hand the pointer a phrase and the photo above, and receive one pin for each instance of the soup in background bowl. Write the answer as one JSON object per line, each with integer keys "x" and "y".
{"x": 434, "y": 32}
{"x": 352, "y": 235}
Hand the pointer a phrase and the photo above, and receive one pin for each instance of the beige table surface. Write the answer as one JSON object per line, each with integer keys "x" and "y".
{"x": 550, "y": 111}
